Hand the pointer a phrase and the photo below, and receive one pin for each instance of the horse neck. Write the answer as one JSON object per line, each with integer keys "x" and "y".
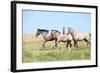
{"x": 59, "y": 34}
{"x": 44, "y": 34}
{"x": 73, "y": 34}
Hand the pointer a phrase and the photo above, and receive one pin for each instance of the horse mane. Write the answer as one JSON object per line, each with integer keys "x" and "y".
{"x": 70, "y": 28}
{"x": 56, "y": 31}
{"x": 45, "y": 30}
{"x": 73, "y": 30}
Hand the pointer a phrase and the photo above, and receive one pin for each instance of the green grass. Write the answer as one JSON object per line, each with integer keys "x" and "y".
{"x": 34, "y": 52}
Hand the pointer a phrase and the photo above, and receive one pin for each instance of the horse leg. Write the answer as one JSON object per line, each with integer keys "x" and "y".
{"x": 56, "y": 43}
{"x": 67, "y": 44}
{"x": 76, "y": 44}
{"x": 88, "y": 42}
{"x": 70, "y": 44}
{"x": 44, "y": 43}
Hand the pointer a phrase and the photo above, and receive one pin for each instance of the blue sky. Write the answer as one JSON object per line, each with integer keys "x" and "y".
{"x": 32, "y": 20}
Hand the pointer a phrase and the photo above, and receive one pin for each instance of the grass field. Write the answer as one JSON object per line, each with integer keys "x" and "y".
{"x": 34, "y": 52}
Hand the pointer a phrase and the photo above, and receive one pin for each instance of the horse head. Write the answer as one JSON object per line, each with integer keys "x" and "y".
{"x": 41, "y": 31}
{"x": 38, "y": 33}
{"x": 70, "y": 30}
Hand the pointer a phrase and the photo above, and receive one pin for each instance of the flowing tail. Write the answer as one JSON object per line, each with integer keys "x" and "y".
{"x": 90, "y": 35}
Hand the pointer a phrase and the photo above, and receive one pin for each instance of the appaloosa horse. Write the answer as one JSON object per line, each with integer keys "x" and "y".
{"x": 79, "y": 36}
{"x": 59, "y": 37}
{"x": 54, "y": 35}
{"x": 46, "y": 35}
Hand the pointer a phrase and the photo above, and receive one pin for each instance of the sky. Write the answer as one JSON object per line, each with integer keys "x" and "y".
{"x": 32, "y": 20}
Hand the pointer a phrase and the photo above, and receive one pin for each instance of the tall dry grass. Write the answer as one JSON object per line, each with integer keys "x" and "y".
{"x": 34, "y": 52}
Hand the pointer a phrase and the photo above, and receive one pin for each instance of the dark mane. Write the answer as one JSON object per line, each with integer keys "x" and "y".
{"x": 56, "y": 31}
{"x": 45, "y": 30}
{"x": 71, "y": 28}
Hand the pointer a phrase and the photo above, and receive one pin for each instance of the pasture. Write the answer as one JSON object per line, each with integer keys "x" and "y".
{"x": 34, "y": 52}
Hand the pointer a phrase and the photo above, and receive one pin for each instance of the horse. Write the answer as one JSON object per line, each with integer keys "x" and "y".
{"x": 59, "y": 37}
{"x": 79, "y": 36}
{"x": 46, "y": 35}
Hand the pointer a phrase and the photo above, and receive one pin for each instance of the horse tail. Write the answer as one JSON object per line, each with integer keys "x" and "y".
{"x": 90, "y": 35}
{"x": 90, "y": 38}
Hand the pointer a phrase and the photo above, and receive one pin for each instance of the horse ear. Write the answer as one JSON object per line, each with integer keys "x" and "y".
{"x": 69, "y": 27}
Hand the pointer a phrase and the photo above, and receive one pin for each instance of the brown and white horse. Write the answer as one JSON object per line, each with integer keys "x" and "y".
{"x": 79, "y": 36}
{"x": 59, "y": 37}
{"x": 46, "y": 35}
